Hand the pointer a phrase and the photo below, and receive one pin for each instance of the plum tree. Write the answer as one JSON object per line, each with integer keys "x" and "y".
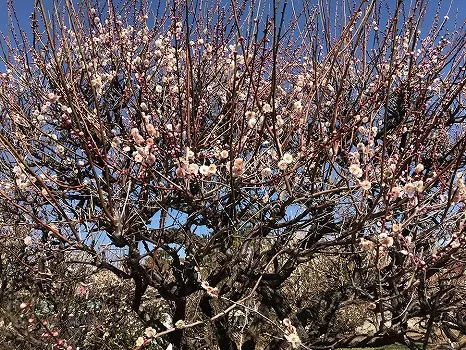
{"x": 208, "y": 154}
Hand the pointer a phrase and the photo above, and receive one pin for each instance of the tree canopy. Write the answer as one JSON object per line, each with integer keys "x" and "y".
{"x": 231, "y": 175}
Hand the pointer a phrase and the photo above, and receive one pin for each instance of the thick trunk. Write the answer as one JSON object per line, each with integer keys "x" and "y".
{"x": 221, "y": 326}
{"x": 177, "y": 338}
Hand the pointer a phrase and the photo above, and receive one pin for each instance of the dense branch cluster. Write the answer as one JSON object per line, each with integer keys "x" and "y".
{"x": 222, "y": 164}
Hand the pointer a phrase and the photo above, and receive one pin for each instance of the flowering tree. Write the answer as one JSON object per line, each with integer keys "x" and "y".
{"x": 210, "y": 160}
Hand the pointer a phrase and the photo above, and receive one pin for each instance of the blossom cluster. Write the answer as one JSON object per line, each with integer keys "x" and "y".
{"x": 291, "y": 334}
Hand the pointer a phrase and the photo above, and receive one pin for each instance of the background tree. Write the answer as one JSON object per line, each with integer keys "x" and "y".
{"x": 207, "y": 155}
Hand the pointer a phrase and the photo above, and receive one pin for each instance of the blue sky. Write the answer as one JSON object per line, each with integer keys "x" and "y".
{"x": 456, "y": 10}
{"x": 24, "y": 10}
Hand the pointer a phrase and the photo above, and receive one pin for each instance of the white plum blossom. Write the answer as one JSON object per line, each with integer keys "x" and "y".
{"x": 140, "y": 341}
{"x": 266, "y": 108}
{"x": 410, "y": 189}
{"x": 189, "y": 153}
{"x": 266, "y": 172}
{"x": 27, "y": 240}
{"x": 252, "y": 122}
{"x": 365, "y": 185}
{"x": 396, "y": 192}
{"x": 355, "y": 170}
{"x": 224, "y": 154}
{"x": 282, "y": 164}
{"x": 396, "y": 227}
{"x": 212, "y": 169}
{"x": 298, "y": 106}
{"x": 150, "y": 332}
{"x": 385, "y": 240}
{"x": 290, "y": 334}
{"x": 193, "y": 169}
{"x": 293, "y": 339}
{"x": 180, "y": 324}
{"x": 287, "y": 158}
{"x": 366, "y": 244}
{"x": 204, "y": 170}
{"x": 419, "y": 168}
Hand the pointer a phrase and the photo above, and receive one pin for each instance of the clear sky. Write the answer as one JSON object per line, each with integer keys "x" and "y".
{"x": 24, "y": 9}
{"x": 456, "y": 8}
